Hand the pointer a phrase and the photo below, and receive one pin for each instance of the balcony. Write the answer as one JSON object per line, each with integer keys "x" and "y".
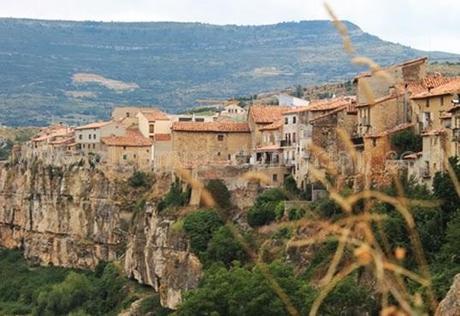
{"x": 285, "y": 143}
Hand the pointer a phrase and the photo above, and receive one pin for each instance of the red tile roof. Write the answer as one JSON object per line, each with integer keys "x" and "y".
{"x": 155, "y": 115}
{"x": 380, "y": 100}
{"x": 328, "y": 113}
{"x": 330, "y": 104}
{"x": 298, "y": 109}
{"x": 93, "y": 125}
{"x": 132, "y": 138}
{"x": 273, "y": 126}
{"x": 213, "y": 127}
{"x": 263, "y": 114}
{"x": 452, "y": 86}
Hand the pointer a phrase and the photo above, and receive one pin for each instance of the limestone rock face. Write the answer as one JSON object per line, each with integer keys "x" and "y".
{"x": 450, "y": 305}
{"x": 160, "y": 257}
{"x": 76, "y": 217}
{"x": 61, "y": 217}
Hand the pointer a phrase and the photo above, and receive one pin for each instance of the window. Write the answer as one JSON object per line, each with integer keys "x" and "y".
{"x": 94, "y": 146}
{"x": 151, "y": 128}
{"x": 442, "y": 100}
{"x": 80, "y": 136}
{"x": 293, "y": 138}
{"x": 94, "y": 136}
{"x": 220, "y": 137}
{"x": 124, "y": 147}
{"x": 127, "y": 114}
{"x": 229, "y": 157}
{"x": 125, "y": 157}
{"x": 134, "y": 156}
{"x": 89, "y": 136}
{"x": 199, "y": 120}
{"x": 427, "y": 102}
{"x": 294, "y": 120}
{"x": 275, "y": 177}
{"x": 218, "y": 153}
{"x": 286, "y": 120}
{"x": 83, "y": 146}
{"x": 374, "y": 142}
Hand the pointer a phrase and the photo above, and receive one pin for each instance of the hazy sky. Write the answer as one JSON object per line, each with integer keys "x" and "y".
{"x": 423, "y": 24}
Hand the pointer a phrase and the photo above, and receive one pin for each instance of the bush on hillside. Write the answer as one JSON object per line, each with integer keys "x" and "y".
{"x": 220, "y": 193}
{"x": 224, "y": 247}
{"x": 199, "y": 227}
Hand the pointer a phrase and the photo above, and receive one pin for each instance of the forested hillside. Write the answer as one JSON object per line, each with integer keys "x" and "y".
{"x": 77, "y": 71}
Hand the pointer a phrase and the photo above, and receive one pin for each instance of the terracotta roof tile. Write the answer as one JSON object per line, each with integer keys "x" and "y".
{"x": 93, "y": 125}
{"x": 216, "y": 127}
{"x": 263, "y": 114}
{"x": 380, "y": 100}
{"x": 155, "y": 115}
{"x": 452, "y": 86}
{"x": 330, "y": 104}
{"x": 132, "y": 138}
{"x": 298, "y": 109}
{"x": 273, "y": 126}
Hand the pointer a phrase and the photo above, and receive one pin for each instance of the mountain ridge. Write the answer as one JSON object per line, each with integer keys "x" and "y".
{"x": 168, "y": 63}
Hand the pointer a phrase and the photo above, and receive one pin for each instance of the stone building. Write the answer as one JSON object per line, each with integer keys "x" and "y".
{"x": 197, "y": 143}
{"x": 339, "y": 160}
{"x": 88, "y": 137}
{"x": 129, "y": 114}
{"x": 260, "y": 116}
{"x": 234, "y": 111}
{"x": 153, "y": 122}
{"x": 129, "y": 150}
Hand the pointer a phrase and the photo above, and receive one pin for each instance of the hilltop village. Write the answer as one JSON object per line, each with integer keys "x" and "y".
{"x": 402, "y": 120}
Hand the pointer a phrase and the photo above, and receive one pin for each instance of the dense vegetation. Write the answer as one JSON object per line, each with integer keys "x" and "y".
{"x": 236, "y": 281}
{"x": 173, "y": 64}
{"x": 33, "y": 290}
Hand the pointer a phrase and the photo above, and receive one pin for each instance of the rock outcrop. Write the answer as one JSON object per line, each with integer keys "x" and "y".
{"x": 59, "y": 216}
{"x": 159, "y": 256}
{"x": 450, "y": 305}
{"x": 76, "y": 217}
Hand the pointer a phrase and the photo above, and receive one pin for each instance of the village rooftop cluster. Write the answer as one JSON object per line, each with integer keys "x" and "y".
{"x": 288, "y": 139}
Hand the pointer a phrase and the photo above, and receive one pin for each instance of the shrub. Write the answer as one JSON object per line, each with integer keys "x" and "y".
{"x": 406, "y": 141}
{"x": 295, "y": 214}
{"x": 263, "y": 211}
{"x": 220, "y": 193}
{"x": 279, "y": 210}
{"x": 262, "y": 215}
{"x": 224, "y": 247}
{"x": 239, "y": 291}
{"x": 175, "y": 197}
{"x": 199, "y": 227}
{"x": 140, "y": 179}
{"x": 291, "y": 186}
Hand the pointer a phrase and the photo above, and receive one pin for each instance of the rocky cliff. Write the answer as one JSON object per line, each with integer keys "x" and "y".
{"x": 450, "y": 305}
{"x": 76, "y": 216}
{"x": 158, "y": 255}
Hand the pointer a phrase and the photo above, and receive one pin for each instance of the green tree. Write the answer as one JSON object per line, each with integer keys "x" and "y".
{"x": 199, "y": 227}
{"x": 264, "y": 210}
{"x": 224, "y": 247}
{"x": 220, "y": 193}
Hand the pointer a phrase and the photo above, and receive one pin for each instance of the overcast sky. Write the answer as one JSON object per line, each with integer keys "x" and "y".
{"x": 423, "y": 24}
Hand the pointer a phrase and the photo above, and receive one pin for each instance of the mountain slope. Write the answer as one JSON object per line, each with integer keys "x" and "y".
{"x": 77, "y": 71}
